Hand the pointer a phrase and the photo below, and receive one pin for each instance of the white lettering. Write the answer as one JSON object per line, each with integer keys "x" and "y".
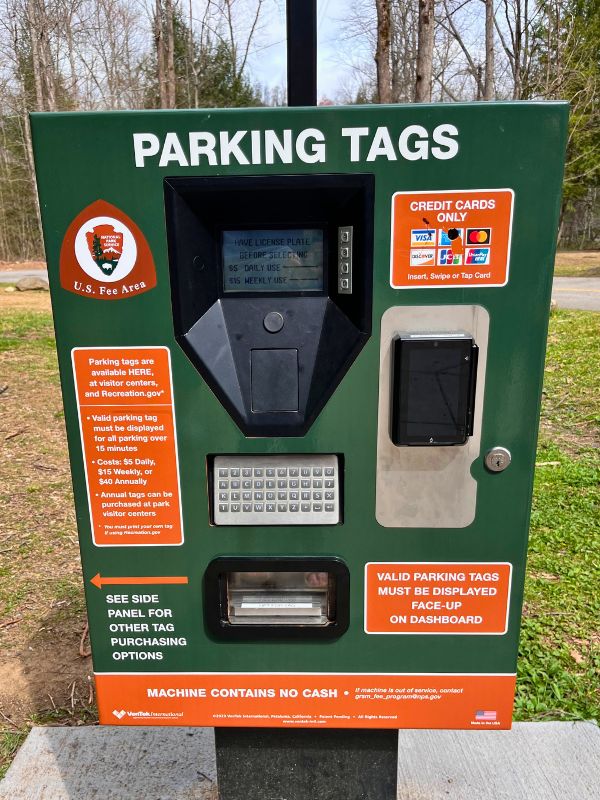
{"x": 141, "y": 152}
{"x": 382, "y": 146}
{"x": 206, "y": 149}
{"x": 172, "y": 151}
{"x": 317, "y": 151}
{"x": 231, "y": 147}
{"x": 442, "y": 135}
{"x": 355, "y": 134}
{"x": 420, "y": 148}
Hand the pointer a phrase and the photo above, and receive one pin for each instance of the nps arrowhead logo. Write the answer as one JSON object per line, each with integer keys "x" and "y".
{"x": 119, "y": 714}
{"x": 105, "y": 256}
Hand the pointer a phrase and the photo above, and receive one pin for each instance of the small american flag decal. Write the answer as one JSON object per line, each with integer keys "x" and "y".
{"x": 485, "y": 716}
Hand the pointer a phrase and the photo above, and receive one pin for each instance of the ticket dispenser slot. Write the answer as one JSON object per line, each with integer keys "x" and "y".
{"x": 264, "y": 598}
{"x": 433, "y": 389}
{"x": 271, "y": 284}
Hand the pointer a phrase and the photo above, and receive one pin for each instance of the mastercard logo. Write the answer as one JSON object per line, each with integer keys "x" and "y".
{"x": 479, "y": 235}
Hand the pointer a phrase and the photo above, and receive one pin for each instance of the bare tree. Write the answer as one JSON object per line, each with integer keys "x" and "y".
{"x": 159, "y": 43}
{"x": 488, "y": 88}
{"x": 426, "y": 39}
{"x": 383, "y": 51}
{"x": 170, "y": 53}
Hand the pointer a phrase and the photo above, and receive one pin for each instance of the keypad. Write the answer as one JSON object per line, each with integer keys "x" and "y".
{"x": 276, "y": 490}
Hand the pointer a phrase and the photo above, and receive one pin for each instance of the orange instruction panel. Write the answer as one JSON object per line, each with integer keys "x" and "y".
{"x": 127, "y": 424}
{"x": 451, "y": 238}
{"x": 437, "y": 597}
{"x": 285, "y": 700}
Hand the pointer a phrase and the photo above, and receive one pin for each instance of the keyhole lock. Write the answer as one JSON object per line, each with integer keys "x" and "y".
{"x": 497, "y": 459}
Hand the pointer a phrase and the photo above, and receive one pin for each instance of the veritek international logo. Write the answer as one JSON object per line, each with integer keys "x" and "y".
{"x": 105, "y": 256}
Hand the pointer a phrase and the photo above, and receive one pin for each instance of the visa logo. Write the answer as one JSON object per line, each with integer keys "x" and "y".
{"x": 478, "y": 256}
{"x": 422, "y": 236}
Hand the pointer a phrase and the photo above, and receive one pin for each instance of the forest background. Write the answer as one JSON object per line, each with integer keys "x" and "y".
{"x": 93, "y": 55}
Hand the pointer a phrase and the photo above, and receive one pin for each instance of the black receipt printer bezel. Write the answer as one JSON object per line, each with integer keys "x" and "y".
{"x": 408, "y": 390}
{"x": 215, "y": 598}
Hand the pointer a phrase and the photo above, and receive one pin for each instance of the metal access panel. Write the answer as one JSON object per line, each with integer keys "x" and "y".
{"x": 288, "y": 341}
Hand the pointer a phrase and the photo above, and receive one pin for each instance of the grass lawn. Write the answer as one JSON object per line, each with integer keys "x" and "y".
{"x": 577, "y": 264}
{"x": 44, "y": 667}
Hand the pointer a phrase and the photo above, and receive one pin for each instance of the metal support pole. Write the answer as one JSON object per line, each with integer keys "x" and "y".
{"x": 306, "y": 764}
{"x": 301, "y": 52}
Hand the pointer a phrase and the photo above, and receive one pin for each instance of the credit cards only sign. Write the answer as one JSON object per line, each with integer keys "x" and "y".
{"x": 453, "y": 238}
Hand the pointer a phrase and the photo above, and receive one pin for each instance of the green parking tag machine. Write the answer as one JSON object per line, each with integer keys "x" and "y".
{"x": 301, "y": 355}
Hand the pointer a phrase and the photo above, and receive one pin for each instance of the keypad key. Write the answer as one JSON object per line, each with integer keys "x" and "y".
{"x": 223, "y": 473}
{"x": 305, "y": 495}
{"x": 270, "y": 472}
{"x": 259, "y": 484}
{"x": 329, "y": 471}
{"x": 235, "y": 484}
{"x": 235, "y": 507}
{"x": 305, "y": 472}
{"x": 305, "y": 484}
{"x": 294, "y": 484}
{"x": 247, "y": 507}
{"x": 247, "y": 484}
{"x": 247, "y": 472}
{"x": 235, "y": 497}
{"x": 223, "y": 496}
{"x": 235, "y": 473}
{"x": 282, "y": 507}
{"x": 282, "y": 472}
{"x": 270, "y": 495}
{"x": 223, "y": 507}
{"x": 258, "y": 472}
{"x": 258, "y": 507}
{"x": 317, "y": 507}
{"x": 223, "y": 484}
{"x": 259, "y": 495}
{"x": 329, "y": 484}
{"x": 329, "y": 495}
{"x": 270, "y": 507}
{"x": 294, "y": 507}
{"x": 317, "y": 484}
{"x": 270, "y": 484}
{"x": 294, "y": 472}
{"x": 317, "y": 471}
{"x": 317, "y": 495}
{"x": 329, "y": 507}
{"x": 246, "y": 495}
{"x": 294, "y": 496}
{"x": 305, "y": 506}
{"x": 282, "y": 495}
{"x": 282, "y": 484}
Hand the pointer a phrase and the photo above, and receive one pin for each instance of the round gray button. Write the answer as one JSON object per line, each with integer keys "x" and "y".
{"x": 497, "y": 459}
{"x": 273, "y": 322}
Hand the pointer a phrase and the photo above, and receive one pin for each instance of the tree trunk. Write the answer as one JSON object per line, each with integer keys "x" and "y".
{"x": 170, "y": 54}
{"x": 383, "y": 51}
{"x": 159, "y": 42}
{"x": 35, "y": 54}
{"x": 426, "y": 35}
{"x": 488, "y": 88}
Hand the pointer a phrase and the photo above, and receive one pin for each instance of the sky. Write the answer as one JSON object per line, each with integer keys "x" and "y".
{"x": 268, "y": 61}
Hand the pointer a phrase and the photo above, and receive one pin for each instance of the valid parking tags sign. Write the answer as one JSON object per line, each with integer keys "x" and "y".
{"x": 453, "y": 238}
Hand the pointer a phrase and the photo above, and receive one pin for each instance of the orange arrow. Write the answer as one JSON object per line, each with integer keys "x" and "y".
{"x": 99, "y": 581}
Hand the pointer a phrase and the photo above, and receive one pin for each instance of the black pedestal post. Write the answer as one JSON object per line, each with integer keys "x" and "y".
{"x": 306, "y": 764}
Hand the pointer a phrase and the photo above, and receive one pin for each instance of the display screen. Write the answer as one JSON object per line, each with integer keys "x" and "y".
{"x": 285, "y": 260}
{"x": 434, "y": 392}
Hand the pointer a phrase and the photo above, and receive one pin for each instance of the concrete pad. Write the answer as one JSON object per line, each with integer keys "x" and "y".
{"x": 105, "y": 763}
{"x": 534, "y": 761}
